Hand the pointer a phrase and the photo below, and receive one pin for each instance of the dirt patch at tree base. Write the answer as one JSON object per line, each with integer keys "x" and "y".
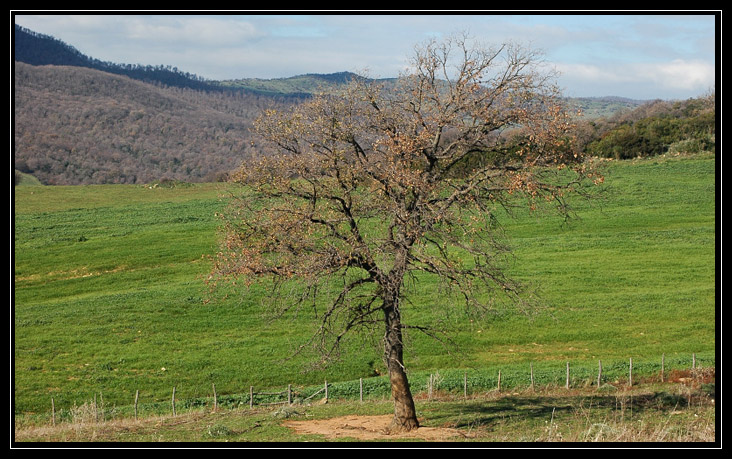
{"x": 370, "y": 428}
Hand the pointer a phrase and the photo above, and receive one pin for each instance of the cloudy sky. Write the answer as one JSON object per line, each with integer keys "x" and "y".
{"x": 642, "y": 56}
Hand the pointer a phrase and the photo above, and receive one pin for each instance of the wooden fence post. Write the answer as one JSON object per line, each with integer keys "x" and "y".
{"x": 326, "y": 390}
{"x": 216, "y": 405}
{"x": 630, "y": 373}
{"x": 599, "y": 372}
{"x": 53, "y": 412}
{"x": 465, "y": 385}
{"x": 172, "y": 401}
{"x": 137, "y": 396}
{"x": 499, "y": 380}
{"x": 531, "y": 371}
{"x": 663, "y": 358}
{"x": 289, "y": 394}
{"x": 566, "y": 385}
{"x": 251, "y": 396}
{"x": 693, "y": 361}
{"x": 360, "y": 389}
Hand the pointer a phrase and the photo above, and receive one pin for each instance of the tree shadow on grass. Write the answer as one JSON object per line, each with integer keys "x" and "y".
{"x": 519, "y": 408}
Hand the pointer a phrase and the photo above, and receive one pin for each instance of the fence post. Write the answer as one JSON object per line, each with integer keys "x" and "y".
{"x": 499, "y": 380}
{"x": 213, "y": 385}
{"x": 566, "y": 385}
{"x": 326, "y": 390}
{"x": 289, "y": 394}
{"x": 251, "y": 396}
{"x": 53, "y": 412}
{"x": 599, "y": 372}
{"x": 693, "y": 361}
{"x": 137, "y": 396}
{"x": 360, "y": 389}
{"x": 663, "y": 359}
{"x": 101, "y": 404}
{"x": 531, "y": 370}
{"x": 630, "y": 373}
{"x": 172, "y": 402}
{"x": 465, "y": 385}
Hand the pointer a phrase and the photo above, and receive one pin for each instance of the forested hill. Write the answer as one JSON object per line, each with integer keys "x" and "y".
{"x": 38, "y": 49}
{"x": 76, "y": 125}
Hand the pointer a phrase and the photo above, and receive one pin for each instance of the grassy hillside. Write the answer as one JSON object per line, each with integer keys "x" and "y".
{"x": 602, "y": 107}
{"x": 298, "y": 85}
{"x": 110, "y": 295}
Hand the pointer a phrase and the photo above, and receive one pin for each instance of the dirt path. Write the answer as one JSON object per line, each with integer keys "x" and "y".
{"x": 369, "y": 428}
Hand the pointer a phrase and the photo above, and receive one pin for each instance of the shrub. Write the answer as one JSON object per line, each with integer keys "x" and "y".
{"x": 692, "y": 145}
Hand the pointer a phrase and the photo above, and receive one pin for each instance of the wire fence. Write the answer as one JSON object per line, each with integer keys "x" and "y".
{"x": 429, "y": 385}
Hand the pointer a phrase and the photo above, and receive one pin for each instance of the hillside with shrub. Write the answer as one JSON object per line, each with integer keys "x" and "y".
{"x": 654, "y": 128}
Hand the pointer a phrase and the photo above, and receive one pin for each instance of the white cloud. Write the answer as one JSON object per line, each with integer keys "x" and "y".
{"x": 639, "y": 79}
{"x": 591, "y": 73}
{"x": 207, "y": 31}
{"x": 680, "y": 74}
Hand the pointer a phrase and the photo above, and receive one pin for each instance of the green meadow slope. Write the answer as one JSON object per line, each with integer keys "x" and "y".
{"x": 110, "y": 298}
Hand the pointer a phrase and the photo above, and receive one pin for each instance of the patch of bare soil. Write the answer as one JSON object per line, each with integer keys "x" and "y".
{"x": 369, "y": 428}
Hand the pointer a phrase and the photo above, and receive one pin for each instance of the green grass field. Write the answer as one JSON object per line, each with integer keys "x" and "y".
{"x": 110, "y": 295}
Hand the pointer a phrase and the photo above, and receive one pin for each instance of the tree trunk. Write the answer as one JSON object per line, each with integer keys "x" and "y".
{"x": 405, "y": 415}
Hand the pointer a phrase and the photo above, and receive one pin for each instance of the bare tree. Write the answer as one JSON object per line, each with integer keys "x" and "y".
{"x": 388, "y": 180}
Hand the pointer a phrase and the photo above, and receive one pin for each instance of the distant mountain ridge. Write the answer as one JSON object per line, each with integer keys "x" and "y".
{"x": 304, "y": 85}
{"x": 39, "y": 49}
{"x": 603, "y": 107}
